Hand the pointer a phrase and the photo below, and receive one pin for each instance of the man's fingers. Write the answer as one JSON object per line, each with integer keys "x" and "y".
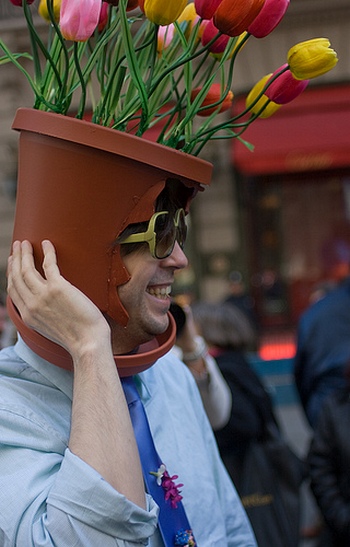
{"x": 11, "y": 288}
{"x": 50, "y": 260}
{"x": 30, "y": 275}
{"x": 24, "y": 281}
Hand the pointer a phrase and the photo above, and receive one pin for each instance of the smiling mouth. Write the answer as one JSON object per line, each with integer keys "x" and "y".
{"x": 161, "y": 293}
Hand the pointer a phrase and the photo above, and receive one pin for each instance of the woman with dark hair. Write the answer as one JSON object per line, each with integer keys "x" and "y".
{"x": 229, "y": 335}
{"x": 266, "y": 473}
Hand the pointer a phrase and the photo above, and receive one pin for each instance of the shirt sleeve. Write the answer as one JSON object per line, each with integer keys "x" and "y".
{"x": 49, "y": 498}
{"x": 215, "y": 394}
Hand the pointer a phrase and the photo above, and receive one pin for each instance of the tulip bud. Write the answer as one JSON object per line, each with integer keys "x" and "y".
{"x": 311, "y": 58}
{"x": 164, "y": 37}
{"x": 233, "y": 18}
{"x": 285, "y": 88}
{"x": 79, "y": 19}
{"x": 209, "y": 32}
{"x": 20, "y": 3}
{"x": 132, "y": 4}
{"x": 269, "y": 106}
{"x": 162, "y": 12}
{"x": 213, "y": 96}
{"x": 189, "y": 16}
{"x": 103, "y": 20}
{"x": 206, "y": 8}
{"x": 44, "y": 12}
{"x": 270, "y": 15}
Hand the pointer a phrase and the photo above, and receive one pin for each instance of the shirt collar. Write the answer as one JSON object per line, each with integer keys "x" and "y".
{"x": 63, "y": 379}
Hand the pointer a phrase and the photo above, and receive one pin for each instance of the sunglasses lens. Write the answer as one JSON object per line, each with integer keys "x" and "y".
{"x": 181, "y": 229}
{"x": 167, "y": 233}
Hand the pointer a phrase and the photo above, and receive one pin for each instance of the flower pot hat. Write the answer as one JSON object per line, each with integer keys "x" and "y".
{"x": 80, "y": 185}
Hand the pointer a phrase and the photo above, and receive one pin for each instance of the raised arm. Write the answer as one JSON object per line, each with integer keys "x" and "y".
{"x": 101, "y": 431}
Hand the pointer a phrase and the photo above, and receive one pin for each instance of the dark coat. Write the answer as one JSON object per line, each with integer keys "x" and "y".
{"x": 329, "y": 465}
{"x": 323, "y": 349}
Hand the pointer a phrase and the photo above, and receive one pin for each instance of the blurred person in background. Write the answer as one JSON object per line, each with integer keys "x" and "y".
{"x": 228, "y": 333}
{"x": 323, "y": 349}
{"x": 329, "y": 468}
{"x": 265, "y": 471}
{"x": 240, "y": 297}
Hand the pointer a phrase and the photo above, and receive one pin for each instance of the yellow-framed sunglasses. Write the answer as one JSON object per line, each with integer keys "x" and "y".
{"x": 162, "y": 233}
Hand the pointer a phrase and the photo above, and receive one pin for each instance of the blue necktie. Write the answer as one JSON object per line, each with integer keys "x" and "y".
{"x": 172, "y": 521}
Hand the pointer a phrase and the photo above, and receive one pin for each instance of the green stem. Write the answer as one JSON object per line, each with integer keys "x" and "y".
{"x": 35, "y": 40}
{"x": 82, "y": 103}
{"x": 133, "y": 66}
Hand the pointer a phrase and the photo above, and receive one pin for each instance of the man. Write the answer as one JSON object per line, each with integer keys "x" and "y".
{"x": 70, "y": 466}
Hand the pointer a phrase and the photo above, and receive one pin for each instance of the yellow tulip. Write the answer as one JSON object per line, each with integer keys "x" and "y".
{"x": 189, "y": 16}
{"x": 163, "y": 12}
{"x": 311, "y": 58}
{"x": 270, "y": 107}
{"x": 44, "y": 12}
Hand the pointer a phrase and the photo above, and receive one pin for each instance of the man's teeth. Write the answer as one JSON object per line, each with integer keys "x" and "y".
{"x": 160, "y": 293}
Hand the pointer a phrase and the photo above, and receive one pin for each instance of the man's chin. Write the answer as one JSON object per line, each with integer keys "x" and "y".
{"x": 129, "y": 338}
{"x": 158, "y": 327}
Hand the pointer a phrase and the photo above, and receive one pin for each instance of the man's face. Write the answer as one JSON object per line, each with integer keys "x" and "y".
{"x": 146, "y": 296}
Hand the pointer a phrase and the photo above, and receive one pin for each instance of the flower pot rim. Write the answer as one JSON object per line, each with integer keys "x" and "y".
{"x": 114, "y": 141}
{"x": 127, "y": 365}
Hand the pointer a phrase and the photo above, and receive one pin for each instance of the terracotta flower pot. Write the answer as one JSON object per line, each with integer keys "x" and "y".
{"x": 80, "y": 185}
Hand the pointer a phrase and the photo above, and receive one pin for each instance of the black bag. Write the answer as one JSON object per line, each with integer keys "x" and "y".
{"x": 270, "y": 490}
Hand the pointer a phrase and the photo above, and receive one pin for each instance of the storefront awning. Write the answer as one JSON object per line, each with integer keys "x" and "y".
{"x": 311, "y": 133}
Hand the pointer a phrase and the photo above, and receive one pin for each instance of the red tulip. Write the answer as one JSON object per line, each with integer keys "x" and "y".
{"x": 20, "y": 3}
{"x": 270, "y": 15}
{"x": 209, "y": 32}
{"x": 233, "y": 18}
{"x": 102, "y": 22}
{"x": 132, "y": 4}
{"x": 285, "y": 88}
{"x": 206, "y": 8}
{"x": 79, "y": 19}
{"x": 213, "y": 96}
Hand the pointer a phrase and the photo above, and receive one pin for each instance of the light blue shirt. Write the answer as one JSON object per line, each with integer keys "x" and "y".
{"x": 50, "y": 497}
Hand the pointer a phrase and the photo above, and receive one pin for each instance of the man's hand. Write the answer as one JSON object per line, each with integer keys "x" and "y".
{"x": 50, "y": 304}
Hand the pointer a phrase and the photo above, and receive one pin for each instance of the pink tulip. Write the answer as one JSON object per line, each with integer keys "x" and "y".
{"x": 285, "y": 88}
{"x": 209, "y": 32}
{"x": 164, "y": 37}
{"x": 79, "y": 19}
{"x": 206, "y": 8}
{"x": 270, "y": 15}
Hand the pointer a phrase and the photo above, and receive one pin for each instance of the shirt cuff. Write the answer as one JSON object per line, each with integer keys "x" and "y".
{"x": 81, "y": 492}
